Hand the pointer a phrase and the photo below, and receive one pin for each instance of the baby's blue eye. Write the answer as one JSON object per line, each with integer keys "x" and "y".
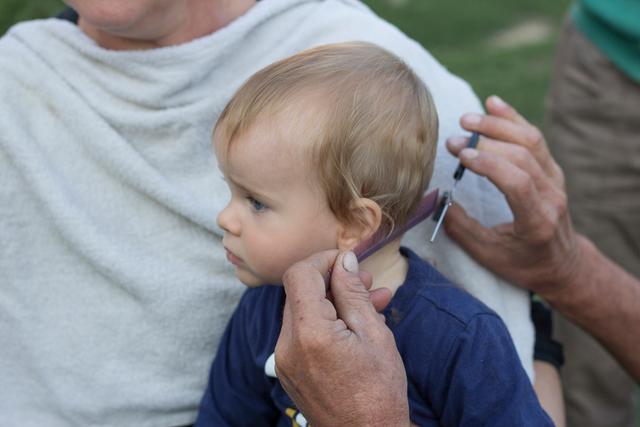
{"x": 256, "y": 205}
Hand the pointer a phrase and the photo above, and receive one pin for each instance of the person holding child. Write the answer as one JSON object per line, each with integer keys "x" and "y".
{"x": 114, "y": 287}
{"x": 323, "y": 150}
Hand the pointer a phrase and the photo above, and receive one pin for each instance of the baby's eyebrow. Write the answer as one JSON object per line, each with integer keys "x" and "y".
{"x": 247, "y": 190}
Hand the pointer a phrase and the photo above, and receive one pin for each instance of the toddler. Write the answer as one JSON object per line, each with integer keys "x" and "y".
{"x": 320, "y": 151}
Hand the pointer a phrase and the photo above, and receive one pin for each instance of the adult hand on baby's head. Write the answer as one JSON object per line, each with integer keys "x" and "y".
{"x": 336, "y": 358}
{"x": 539, "y": 250}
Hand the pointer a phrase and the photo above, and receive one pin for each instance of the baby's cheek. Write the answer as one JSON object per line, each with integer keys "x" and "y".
{"x": 283, "y": 257}
{"x": 278, "y": 255}
{"x": 274, "y": 262}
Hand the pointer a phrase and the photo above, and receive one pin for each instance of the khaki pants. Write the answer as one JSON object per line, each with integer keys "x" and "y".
{"x": 593, "y": 128}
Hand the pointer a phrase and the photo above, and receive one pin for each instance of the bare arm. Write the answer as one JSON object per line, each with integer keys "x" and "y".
{"x": 548, "y": 388}
{"x": 604, "y": 300}
{"x": 540, "y": 251}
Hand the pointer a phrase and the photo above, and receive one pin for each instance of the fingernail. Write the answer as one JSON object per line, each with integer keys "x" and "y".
{"x": 469, "y": 153}
{"x": 350, "y": 262}
{"x": 471, "y": 119}
{"x": 456, "y": 142}
{"x": 497, "y": 101}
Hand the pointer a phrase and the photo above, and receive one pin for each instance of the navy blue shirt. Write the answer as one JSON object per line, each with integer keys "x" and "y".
{"x": 462, "y": 368}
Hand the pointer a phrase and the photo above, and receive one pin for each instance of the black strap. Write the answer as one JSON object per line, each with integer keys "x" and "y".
{"x": 546, "y": 348}
{"x": 68, "y": 14}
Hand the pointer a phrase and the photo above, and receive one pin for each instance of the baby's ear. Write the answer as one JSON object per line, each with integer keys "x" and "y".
{"x": 366, "y": 217}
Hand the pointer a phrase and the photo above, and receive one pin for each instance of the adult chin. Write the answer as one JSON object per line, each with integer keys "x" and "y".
{"x": 113, "y": 15}
{"x": 145, "y": 24}
{"x": 119, "y": 24}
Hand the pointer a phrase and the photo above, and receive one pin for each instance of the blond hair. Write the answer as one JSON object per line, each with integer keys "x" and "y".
{"x": 375, "y": 127}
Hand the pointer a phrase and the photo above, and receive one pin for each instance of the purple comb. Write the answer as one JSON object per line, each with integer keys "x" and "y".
{"x": 368, "y": 247}
{"x": 423, "y": 211}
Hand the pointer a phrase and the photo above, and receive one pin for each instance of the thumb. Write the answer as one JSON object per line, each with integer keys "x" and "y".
{"x": 472, "y": 236}
{"x": 350, "y": 296}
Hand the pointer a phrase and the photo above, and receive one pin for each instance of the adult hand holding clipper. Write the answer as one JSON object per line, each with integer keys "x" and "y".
{"x": 540, "y": 250}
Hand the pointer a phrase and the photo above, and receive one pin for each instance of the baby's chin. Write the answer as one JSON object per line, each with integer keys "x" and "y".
{"x": 252, "y": 284}
{"x": 252, "y": 281}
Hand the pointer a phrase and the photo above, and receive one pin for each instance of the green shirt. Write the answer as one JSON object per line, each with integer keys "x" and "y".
{"x": 614, "y": 27}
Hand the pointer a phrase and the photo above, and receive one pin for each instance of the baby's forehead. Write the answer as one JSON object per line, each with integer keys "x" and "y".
{"x": 291, "y": 131}
{"x": 272, "y": 166}
{"x": 281, "y": 139}
{"x": 268, "y": 148}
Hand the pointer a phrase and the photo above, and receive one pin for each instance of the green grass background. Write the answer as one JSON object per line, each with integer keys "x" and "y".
{"x": 457, "y": 32}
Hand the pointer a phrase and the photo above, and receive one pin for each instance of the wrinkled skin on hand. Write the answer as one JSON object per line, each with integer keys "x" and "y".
{"x": 539, "y": 249}
{"x": 335, "y": 356}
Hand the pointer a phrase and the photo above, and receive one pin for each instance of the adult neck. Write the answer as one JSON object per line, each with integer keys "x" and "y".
{"x": 387, "y": 266}
{"x": 139, "y": 26}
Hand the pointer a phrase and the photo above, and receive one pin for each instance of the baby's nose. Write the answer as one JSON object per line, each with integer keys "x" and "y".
{"x": 228, "y": 221}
